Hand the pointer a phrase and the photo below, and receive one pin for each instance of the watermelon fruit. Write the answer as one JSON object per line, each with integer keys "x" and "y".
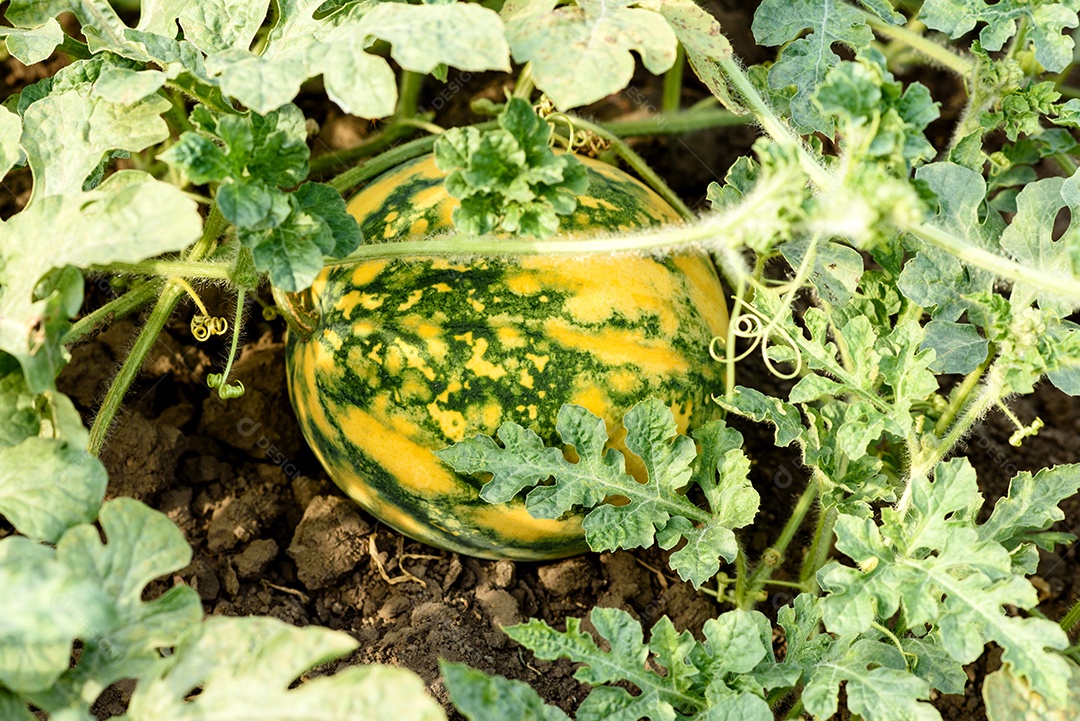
{"x": 393, "y": 359}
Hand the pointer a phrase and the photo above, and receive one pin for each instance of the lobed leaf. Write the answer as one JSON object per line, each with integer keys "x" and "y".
{"x": 480, "y": 697}
{"x": 246, "y": 667}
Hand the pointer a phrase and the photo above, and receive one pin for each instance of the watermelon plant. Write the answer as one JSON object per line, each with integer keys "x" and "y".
{"x": 507, "y": 346}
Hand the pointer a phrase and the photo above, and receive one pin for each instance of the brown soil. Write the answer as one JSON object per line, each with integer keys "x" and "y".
{"x": 271, "y": 534}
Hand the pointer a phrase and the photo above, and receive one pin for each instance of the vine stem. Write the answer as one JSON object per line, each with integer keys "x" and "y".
{"x": 114, "y": 310}
{"x": 764, "y": 570}
{"x": 638, "y": 164}
{"x": 818, "y": 554}
{"x": 963, "y": 392}
{"x": 920, "y": 43}
{"x": 170, "y": 296}
{"x": 673, "y": 82}
{"x": 1048, "y": 283}
{"x": 925, "y": 461}
{"x": 169, "y": 269}
{"x": 1068, "y": 623}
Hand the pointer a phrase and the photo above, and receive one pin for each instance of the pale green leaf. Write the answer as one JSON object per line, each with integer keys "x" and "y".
{"x": 698, "y": 32}
{"x": 805, "y": 62}
{"x": 217, "y": 25}
{"x": 66, "y": 134}
{"x": 1009, "y": 698}
{"x": 735, "y": 641}
{"x": 123, "y": 86}
{"x": 757, "y": 406}
{"x": 34, "y": 44}
{"x": 43, "y": 609}
{"x": 48, "y": 485}
{"x": 958, "y": 347}
{"x": 999, "y": 19}
{"x": 245, "y": 668}
{"x": 140, "y": 545}
{"x": 936, "y": 279}
{"x": 1029, "y": 239}
{"x": 581, "y": 52}
{"x": 480, "y": 697}
{"x": 877, "y": 683}
{"x": 127, "y": 218}
{"x": 835, "y": 269}
{"x": 10, "y": 132}
{"x": 1031, "y": 505}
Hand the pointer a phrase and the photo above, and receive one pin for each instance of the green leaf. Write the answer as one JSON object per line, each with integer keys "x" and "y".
{"x": 341, "y": 234}
{"x": 422, "y": 37}
{"x": 804, "y": 62}
{"x": 759, "y": 407}
{"x": 1028, "y": 238}
{"x": 936, "y": 279}
{"x": 958, "y": 347}
{"x": 48, "y": 485}
{"x": 581, "y": 52}
{"x": 213, "y": 25}
{"x": 480, "y": 697}
{"x": 68, "y": 132}
{"x": 43, "y": 609}
{"x": 12, "y": 708}
{"x": 1032, "y": 505}
{"x": 836, "y": 269}
{"x": 140, "y": 545}
{"x": 1045, "y": 22}
{"x": 655, "y": 510}
{"x": 944, "y": 575}
{"x": 245, "y": 667}
{"x": 127, "y": 218}
{"x": 876, "y": 680}
{"x": 31, "y": 45}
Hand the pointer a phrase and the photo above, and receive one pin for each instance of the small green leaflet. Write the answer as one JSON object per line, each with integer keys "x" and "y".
{"x": 949, "y": 574}
{"x": 698, "y": 679}
{"x": 480, "y": 697}
{"x": 252, "y": 157}
{"x": 34, "y": 44}
{"x": 657, "y": 510}
{"x": 509, "y": 179}
{"x": 1045, "y": 21}
{"x": 246, "y": 667}
{"x": 127, "y": 218}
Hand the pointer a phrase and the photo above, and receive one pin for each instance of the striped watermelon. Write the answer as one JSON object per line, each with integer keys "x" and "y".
{"x": 411, "y": 355}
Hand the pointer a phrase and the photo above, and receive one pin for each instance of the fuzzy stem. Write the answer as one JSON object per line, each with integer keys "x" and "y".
{"x": 114, "y": 310}
{"x": 771, "y": 123}
{"x": 638, "y": 165}
{"x": 169, "y": 269}
{"x": 673, "y": 82}
{"x": 1052, "y": 284}
{"x": 963, "y": 391}
{"x": 525, "y": 84}
{"x": 938, "y": 53}
{"x": 213, "y": 227}
{"x": 1068, "y": 623}
{"x": 763, "y": 571}
{"x": 676, "y": 123}
{"x": 819, "y": 548}
{"x": 239, "y": 318}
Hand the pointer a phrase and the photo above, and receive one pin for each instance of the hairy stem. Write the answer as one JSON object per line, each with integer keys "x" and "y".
{"x": 169, "y": 269}
{"x": 213, "y": 227}
{"x": 117, "y": 308}
{"x": 639, "y": 166}
{"x": 818, "y": 554}
{"x": 1068, "y": 623}
{"x": 673, "y": 81}
{"x": 963, "y": 392}
{"x": 774, "y": 555}
{"x": 686, "y": 121}
{"x": 939, "y": 54}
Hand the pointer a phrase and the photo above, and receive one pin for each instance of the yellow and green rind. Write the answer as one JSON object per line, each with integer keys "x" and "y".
{"x": 412, "y": 355}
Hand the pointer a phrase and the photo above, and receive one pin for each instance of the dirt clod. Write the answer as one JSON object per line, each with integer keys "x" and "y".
{"x": 328, "y": 542}
{"x": 255, "y": 558}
